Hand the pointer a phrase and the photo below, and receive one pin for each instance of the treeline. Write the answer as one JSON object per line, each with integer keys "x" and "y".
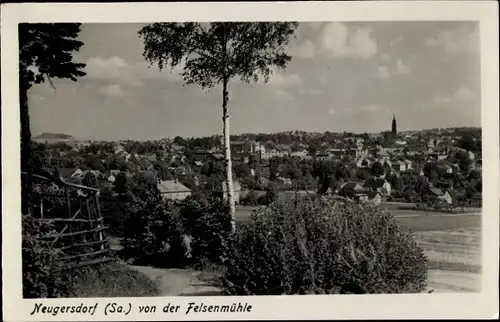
{"x": 470, "y": 139}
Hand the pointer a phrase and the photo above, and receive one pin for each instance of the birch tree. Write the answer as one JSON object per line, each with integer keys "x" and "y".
{"x": 213, "y": 54}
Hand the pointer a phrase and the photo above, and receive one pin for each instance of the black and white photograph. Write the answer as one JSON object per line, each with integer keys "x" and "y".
{"x": 205, "y": 158}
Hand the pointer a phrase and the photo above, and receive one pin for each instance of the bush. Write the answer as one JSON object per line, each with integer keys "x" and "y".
{"x": 207, "y": 224}
{"x": 176, "y": 234}
{"x": 310, "y": 245}
{"x": 114, "y": 211}
{"x": 251, "y": 199}
{"x": 209, "y": 232}
{"x": 40, "y": 270}
{"x": 270, "y": 196}
{"x": 154, "y": 236}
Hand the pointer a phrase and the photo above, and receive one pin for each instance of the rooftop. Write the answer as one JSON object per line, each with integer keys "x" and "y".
{"x": 172, "y": 186}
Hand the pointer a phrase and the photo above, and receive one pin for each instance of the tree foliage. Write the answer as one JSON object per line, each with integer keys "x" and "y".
{"x": 46, "y": 52}
{"x": 377, "y": 169}
{"x": 253, "y": 48}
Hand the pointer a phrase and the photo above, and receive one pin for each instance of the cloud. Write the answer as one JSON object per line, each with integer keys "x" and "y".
{"x": 339, "y": 40}
{"x": 372, "y": 108}
{"x": 311, "y": 91}
{"x": 442, "y": 100}
{"x": 395, "y": 42}
{"x": 305, "y": 50}
{"x": 402, "y": 68}
{"x": 342, "y": 110}
{"x": 385, "y": 57}
{"x": 456, "y": 41}
{"x": 385, "y": 72}
{"x": 99, "y": 67}
{"x": 280, "y": 79}
{"x": 283, "y": 96}
{"x": 464, "y": 93}
{"x": 323, "y": 79}
{"x": 460, "y": 95}
{"x": 316, "y": 26}
{"x": 382, "y": 72}
{"x": 117, "y": 70}
{"x": 315, "y": 91}
{"x": 38, "y": 98}
{"x": 113, "y": 90}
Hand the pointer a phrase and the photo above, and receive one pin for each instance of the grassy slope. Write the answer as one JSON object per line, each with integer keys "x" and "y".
{"x": 112, "y": 280}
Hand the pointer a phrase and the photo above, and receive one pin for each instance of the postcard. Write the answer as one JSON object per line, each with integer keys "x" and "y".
{"x": 244, "y": 161}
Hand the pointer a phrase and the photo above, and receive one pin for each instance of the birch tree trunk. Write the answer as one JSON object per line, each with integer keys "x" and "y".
{"x": 227, "y": 154}
{"x": 226, "y": 133}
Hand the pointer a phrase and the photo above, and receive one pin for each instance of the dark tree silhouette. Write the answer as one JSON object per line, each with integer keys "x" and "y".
{"x": 214, "y": 53}
{"x": 45, "y": 52}
{"x": 377, "y": 169}
{"x": 121, "y": 183}
{"x": 90, "y": 180}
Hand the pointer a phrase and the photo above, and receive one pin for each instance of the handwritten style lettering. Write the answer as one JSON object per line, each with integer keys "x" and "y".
{"x": 54, "y": 310}
{"x": 203, "y": 308}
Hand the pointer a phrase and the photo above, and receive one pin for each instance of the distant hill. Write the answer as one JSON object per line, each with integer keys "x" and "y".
{"x": 54, "y": 136}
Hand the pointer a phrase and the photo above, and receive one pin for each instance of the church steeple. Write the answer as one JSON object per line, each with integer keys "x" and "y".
{"x": 394, "y": 125}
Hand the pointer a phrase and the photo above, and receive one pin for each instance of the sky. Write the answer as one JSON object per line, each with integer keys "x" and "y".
{"x": 344, "y": 76}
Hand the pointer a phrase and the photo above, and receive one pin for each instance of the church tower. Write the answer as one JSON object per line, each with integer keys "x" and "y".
{"x": 394, "y": 125}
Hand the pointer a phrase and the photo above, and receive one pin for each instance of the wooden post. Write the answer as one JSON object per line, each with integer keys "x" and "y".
{"x": 87, "y": 206}
{"x": 84, "y": 238}
{"x": 41, "y": 207}
{"x": 68, "y": 201}
{"x": 100, "y": 221}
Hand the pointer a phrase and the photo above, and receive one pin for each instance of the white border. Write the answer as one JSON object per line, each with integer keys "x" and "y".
{"x": 484, "y": 304}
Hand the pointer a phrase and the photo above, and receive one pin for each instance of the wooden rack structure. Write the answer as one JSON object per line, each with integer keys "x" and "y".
{"x": 78, "y": 233}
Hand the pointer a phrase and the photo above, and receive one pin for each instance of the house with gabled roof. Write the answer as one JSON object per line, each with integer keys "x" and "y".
{"x": 173, "y": 190}
{"x": 350, "y": 189}
{"x": 378, "y": 184}
{"x": 440, "y": 195}
{"x": 398, "y": 165}
{"x": 408, "y": 164}
{"x": 374, "y": 197}
{"x": 67, "y": 173}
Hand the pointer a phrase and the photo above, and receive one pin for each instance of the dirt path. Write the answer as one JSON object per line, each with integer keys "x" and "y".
{"x": 453, "y": 282}
{"x": 180, "y": 282}
{"x": 184, "y": 282}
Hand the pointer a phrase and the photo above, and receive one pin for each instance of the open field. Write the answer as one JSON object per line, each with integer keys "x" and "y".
{"x": 413, "y": 220}
{"x": 454, "y": 258}
{"x": 457, "y": 250}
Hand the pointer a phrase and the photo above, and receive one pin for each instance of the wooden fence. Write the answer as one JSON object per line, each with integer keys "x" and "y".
{"x": 78, "y": 234}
